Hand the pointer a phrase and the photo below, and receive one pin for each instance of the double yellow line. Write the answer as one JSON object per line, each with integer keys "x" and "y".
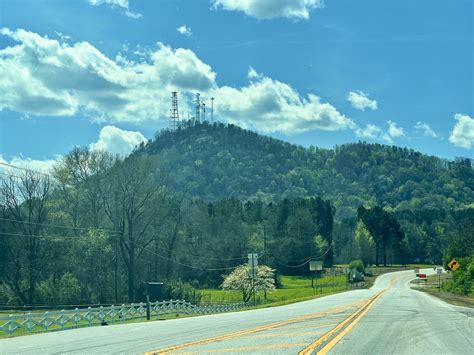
{"x": 338, "y": 332}
{"x": 350, "y": 322}
{"x": 249, "y": 331}
{"x": 346, "y": 325}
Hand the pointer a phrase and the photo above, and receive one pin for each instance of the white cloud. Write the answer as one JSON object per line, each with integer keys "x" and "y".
{"x": 117, "y": 141}
{"x": 43, "y": 166}
{"x": 184, "y": 30}
{"x": 111, "y": 139}
{"x": 463, "y": 131}
{"x": 42, "y": 76}
{"x": 268, "y": 105}
{"x": 267, "y": 9}
{"x": 116, "y": 3}
{"x": 361, "y": 101}
{"x": 373, "y": 132}
{"x": 394, "y": 131}
{"x": 425, "y": 129}
{"x": 252, "y": 74}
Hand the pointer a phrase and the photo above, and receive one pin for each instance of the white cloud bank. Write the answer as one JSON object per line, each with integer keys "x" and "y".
{"x": 42, "y": 76}
{"x": 42, "y": 166}
{"x": 184, "y": 30}
{"x": 111, "y": 139}
{"x": 425, "y": 129}
{"x": 462, "y": 134}
{"x": 123, "y": 4}
{"x": 268, "y": 105}
{"x": 361, "y": 101}
{"x": 117, "y": 141}
{"x": 268, "y": 9}
{"x": 47, "y": 77}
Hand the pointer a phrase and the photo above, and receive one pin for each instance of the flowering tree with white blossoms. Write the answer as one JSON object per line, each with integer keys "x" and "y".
{"x": 241, "y": 279}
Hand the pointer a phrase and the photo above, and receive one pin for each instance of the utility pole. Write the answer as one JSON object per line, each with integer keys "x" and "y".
{"x": 203, "y": 112}
{"x": 253, "y": 265}
{"x": 264, "y": 255}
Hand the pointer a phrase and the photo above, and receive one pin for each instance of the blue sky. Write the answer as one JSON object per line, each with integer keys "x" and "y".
{"x": 99, "y": 73}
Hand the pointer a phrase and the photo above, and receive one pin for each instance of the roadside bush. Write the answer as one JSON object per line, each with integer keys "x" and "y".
{"x": 183, "y": 290}
{"x": 358, "y": 265}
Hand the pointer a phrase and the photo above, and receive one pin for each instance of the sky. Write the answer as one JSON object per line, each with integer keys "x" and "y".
{"x": 100, "y": 73}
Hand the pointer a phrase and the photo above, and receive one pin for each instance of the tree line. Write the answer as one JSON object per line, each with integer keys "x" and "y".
{"x": 98, "y": 228}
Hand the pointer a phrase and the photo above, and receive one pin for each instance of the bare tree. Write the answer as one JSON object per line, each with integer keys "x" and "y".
{"x": 24, "y": 201}
{"x": 134, "y": 186}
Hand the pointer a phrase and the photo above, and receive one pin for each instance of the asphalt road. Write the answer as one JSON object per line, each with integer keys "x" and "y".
{"x": 390, "y": 318}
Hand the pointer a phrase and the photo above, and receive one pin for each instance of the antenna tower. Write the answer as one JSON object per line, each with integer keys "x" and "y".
{"x": 198, "y": 108}
{"x": 174, "y": 112}
{"x": 203, "y": 112}
{"x": 212, "y": 109}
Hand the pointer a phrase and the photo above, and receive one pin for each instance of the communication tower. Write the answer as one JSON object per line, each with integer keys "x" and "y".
{"x": 174, "y": 112}
{"x": 198, "y": 108}
{"x": 212, "y": 109}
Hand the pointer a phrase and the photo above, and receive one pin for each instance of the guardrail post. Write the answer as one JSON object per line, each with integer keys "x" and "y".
{"x": 11, "y": 327}
{"x": 148, "y": 310}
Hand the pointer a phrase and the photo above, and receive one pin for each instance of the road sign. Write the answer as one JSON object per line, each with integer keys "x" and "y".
{"x": 253, "y": 264}
{"x": 422, "y": 276}
{"x": 453, "y": 265}
{"x": 315, "y": 265}
{"x": 439, "y": 271}
{"x": 417, "y": 271}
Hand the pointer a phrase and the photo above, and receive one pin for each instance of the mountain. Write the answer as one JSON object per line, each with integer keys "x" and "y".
{"x": 217, "y": 161}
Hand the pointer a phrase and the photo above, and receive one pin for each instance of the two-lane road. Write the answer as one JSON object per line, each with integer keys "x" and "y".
{"x": 390, "y": 318}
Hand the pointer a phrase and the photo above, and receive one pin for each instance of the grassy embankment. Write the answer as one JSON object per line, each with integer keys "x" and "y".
{"x": 431, "y": 286}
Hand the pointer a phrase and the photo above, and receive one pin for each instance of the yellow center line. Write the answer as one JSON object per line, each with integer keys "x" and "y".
{"x": 308, "y": 326}
{"x": 273, "y": 335}
{"x": 246, "y": 348}
{"x": 350, "y": 321}
{"x": 244, "y": 332}
{"x": 337, "y": 338}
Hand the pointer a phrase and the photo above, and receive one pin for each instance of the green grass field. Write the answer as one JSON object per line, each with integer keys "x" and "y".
{"x": 294, "y": 288}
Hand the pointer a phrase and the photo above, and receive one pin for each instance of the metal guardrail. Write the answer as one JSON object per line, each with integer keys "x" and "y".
{"x": 87, "y": 317}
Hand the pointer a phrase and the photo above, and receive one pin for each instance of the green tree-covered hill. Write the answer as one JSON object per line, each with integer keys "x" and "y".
{"x": 218, "y": 161}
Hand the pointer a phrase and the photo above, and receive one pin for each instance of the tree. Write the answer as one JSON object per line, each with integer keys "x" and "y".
{"x": 24, "y": 199}
{"x": 365, "y": 243}
{"x": 240, "y": 279}
{"x": 133, "y": 190}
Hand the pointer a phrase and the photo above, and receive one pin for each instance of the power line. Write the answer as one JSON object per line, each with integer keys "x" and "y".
{"x": 37, "y": 236}
{"x": 186, "y": 265}
{"x": 59, "y": 226}
{"x": 25, "y": 169}
{"x": 307, "y": 261}
{"x": 109, "y": 230}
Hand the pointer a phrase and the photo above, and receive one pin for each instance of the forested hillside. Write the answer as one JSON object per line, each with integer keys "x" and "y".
{"x": 188, "y": 207}
{"x": 219, "y": 161}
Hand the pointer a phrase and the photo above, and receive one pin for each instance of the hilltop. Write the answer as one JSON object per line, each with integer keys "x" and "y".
{"x": 217, "y": 161}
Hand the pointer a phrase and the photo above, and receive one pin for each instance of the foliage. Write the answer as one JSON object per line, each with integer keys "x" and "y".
{"x": 365, "y": 242}
{"x": 177, "y": 289}
{"x": 242, "y": 280}
{"x": 357, "y": 265}
{"x": 194, "y": 202}
{"x": 219, "y": 161}
{"x": 463, "y": 278}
